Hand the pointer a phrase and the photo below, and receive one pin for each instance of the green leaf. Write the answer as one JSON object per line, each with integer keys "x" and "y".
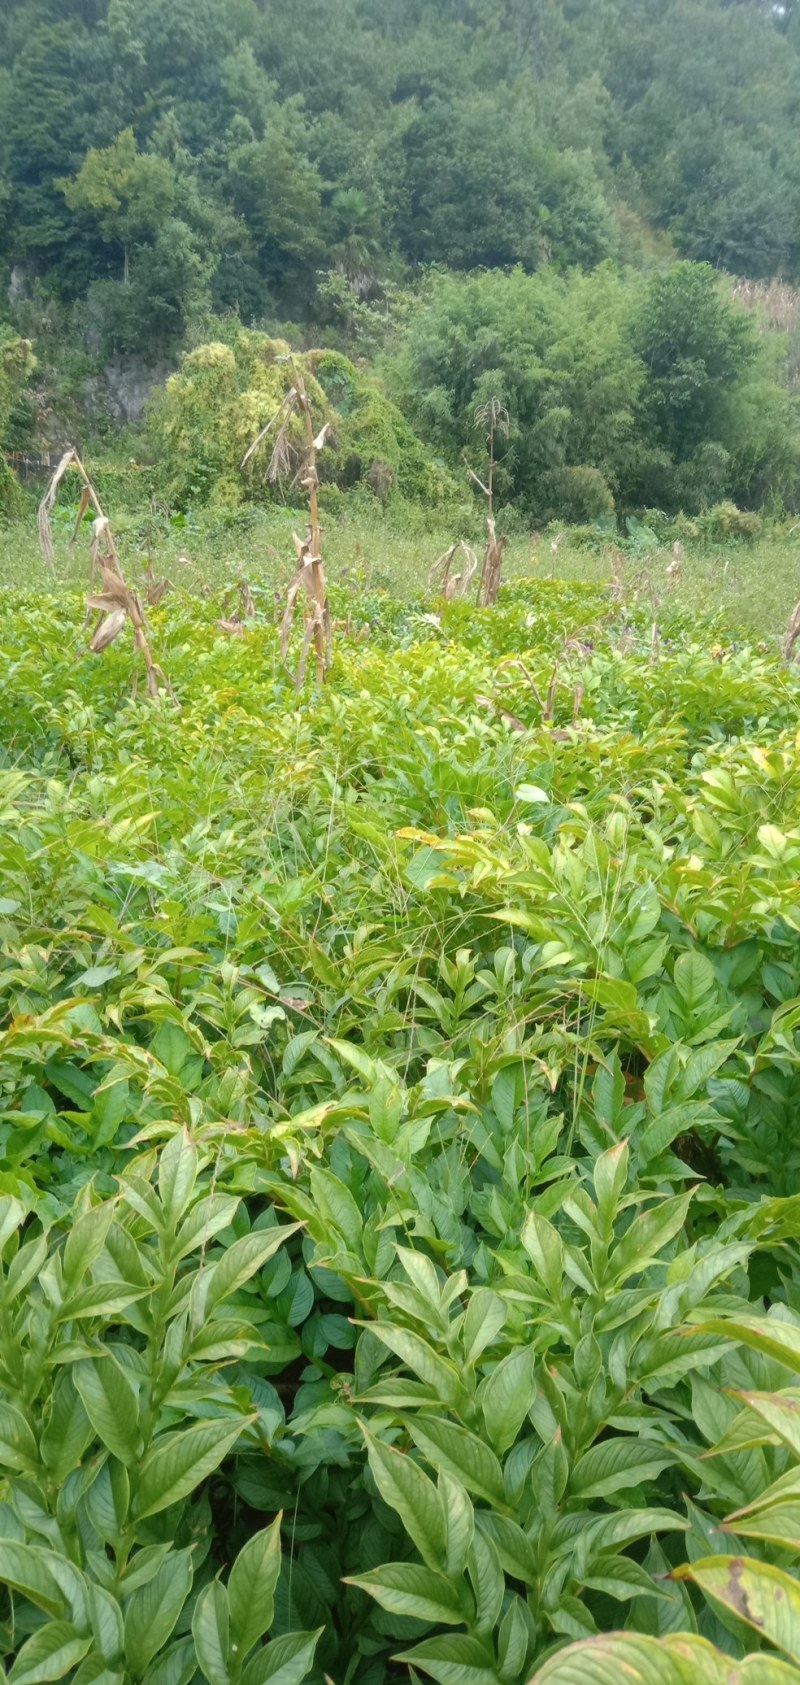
{"x": 488, "y": 1584}
{"x": 764, "y": 1597}
{"x": 49, "y": 1654}
{"x": 94, "y": 1671}
{"x": 484, "y": 1318}
{"x": 532, "y": 793}
{"x": 780, "y": 1411}
{"x": 251, "y": 1587}
{"x": 96, "y": 976}
{"x": 677, "y": 1659}
{"x": 506, "y": 1397}
{"x": 177, "y": 1170}
{"x": 614, "y": 1465}
{"x": 768, "y": 1334}
{"x": 435, "y": 1371}
{"x": 406, "y": 1488}
{"x": 405, "y": 1588}
{"x": 18, "y": 1448}
{"x": 106, "y": 1621}
{"x": 153, "y": 1609}
{"x": 68, "y": 1429}
{"x": 177, "y": 1666}
{"x": 285, "y": 1661}
{"x": 461, "y": 1454}
{"x": 217, "y": 1282}
{"x": 27, "y": 1569}
{"x": 648, "y": 1234}
{"x": 694, "y": 978}
{"x": 85, "y": 1242}
{"x": 337, "y": 1206}
{"x": 210, "y": 1631}
{"x": 178, "y": 1462}
{"x": 111, "y": 1404}
{"x": 454, "y": 1659}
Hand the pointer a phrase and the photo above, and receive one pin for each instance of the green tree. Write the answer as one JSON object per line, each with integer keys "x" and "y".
{"x": 130, "y": 193}
{"x": 696, "y": 346}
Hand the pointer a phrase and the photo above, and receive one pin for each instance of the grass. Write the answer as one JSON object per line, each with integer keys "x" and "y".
{"x": 752, "y": 586}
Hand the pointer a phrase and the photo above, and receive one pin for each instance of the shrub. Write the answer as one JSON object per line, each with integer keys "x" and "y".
{"x": 725, "y": 521}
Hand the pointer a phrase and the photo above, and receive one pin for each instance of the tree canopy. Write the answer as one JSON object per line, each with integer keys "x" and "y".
{"x": 137, "y": 139}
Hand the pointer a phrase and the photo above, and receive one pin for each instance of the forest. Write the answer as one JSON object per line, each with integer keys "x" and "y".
{"x": 586, "y": 209}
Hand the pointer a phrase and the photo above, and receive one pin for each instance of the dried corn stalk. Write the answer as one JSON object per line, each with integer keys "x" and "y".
{"x": 452, "y": 585}
{"x": 310, "y": 575}
{"x": 491, "y": 567}
{"x": 155, "y": 589}
{"x": 114, "y": 605}
{"x": 792, "y": 634}
{"x": 238, "y": 606}
{"x": 494, "y": 418}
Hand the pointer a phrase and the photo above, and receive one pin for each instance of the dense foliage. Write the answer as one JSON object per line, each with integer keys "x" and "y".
{"x": 621, "y": 390}
{"x": 398, "y": 1099}
{"x": 212, "y": 154}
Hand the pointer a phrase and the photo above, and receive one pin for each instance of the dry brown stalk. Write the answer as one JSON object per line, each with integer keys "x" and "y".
{"x": 452, "y": 585}
{"x": 493, "y": 417}
{"x": 155, "y": 589}
{"x": 792, "y": 634}
{"x": 114, "y": 604}
{"x": 492, "y": 566}
{"x": 310, "y": 576}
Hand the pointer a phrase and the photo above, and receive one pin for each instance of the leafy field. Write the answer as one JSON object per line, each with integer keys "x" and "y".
{"x": 754, "y": 586}
{"x": 398, "y": 1133}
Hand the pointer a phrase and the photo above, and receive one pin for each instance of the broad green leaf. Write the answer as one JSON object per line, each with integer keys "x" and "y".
{"x": 615, "y": 1465}
{"x": 648, "y": 1234}
{"x": 506, "y": 1397}
{"x": 677, "y": 1659}
{"x": 483, "y": 1320}
{"x": 27, "y": 1569}
{"x": 337, "y": 1206}
{"x": 436, "y": 1372}
{"x": 285, "y": 1661}
{"x": 216, "y": 1282}
{"x": 454, "y": 1659}
{"x": 210, "y": 1631}
{"x": 777, "y": 1522}
{"x": 177, "y": 1666}
{"x": 764, "y": 1597}
{"x": 488, "y": 1583}
{"x": 18, "y": 1448}
{"x": 49, "y": 1654}
{"x": 205, "y": 1220}
{"x": 94, "y": 1671}
{"x": 251, "y": 1587}
{"x": 461, "y": 1454}
{"x": 85, "y": 1242}
{"x": 406, "y": 1488}
{"x": 177, "y": 1171}
{"x": 105, "y": 1616}
{"x": 405, "y": 1588}
{"x": 768, "y": 1334}
{"x": 153, "y": 1609}
{"x": 781, "y": 1413}
{"x": 177, "y": 1462}
{"x": 111, "y": 1404}
{"x": 68, "y": 1430}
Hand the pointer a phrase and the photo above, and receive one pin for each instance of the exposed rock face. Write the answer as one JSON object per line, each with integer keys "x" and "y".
{"x": 119, "y": 394}
{"x": 19, "y": 284}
